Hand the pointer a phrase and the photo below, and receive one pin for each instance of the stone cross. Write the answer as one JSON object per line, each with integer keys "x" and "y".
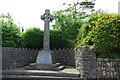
{"x": 47, "y": 17}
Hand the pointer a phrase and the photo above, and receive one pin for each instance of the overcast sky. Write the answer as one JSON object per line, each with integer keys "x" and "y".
{"x": 27, "y": 12}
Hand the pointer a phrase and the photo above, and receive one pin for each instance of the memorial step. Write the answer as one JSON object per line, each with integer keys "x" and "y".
{"x": 22, "y": 72}
{"x": 24, "y": 77}
{"x": 50, "y": 65}
{"x": 54, "y": 67}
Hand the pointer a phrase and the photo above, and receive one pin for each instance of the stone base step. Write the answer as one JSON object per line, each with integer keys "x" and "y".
{"x": 24, "y": 77}
{"x": 22, "y": 74}
{"x": 42, "y": 73}
{"x": 67, "y": 72}
{"x": 54, "y": 67}
{"x": 50, "y": 65}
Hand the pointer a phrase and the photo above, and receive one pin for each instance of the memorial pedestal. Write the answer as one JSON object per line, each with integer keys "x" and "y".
{"x": 44, "y": 58}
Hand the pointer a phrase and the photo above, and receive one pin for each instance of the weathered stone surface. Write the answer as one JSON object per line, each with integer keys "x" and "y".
{"x": 47, "y": 17}
{"x": 13, "y": 57}
{"x": 86, "y": 62}
{"x": 44, "y": 57}
{"x": 108, "y": 68}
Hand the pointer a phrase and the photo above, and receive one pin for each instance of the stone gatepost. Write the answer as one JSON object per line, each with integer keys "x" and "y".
{"x": 86, "y": 62}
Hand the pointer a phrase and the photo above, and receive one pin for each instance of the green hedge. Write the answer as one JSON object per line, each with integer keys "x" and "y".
{"x": 105, "y": 35}
{"x": 102, "y": 33}
{"x": 59, "y": 39}
{"x": 34, "y": 38}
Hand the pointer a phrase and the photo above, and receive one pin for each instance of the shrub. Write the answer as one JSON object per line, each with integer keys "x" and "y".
{"x": 105, "y": 34}
{"x": 101, "y": 32}
{"x": 33, "y": 38}
{"x": 59, "y": 39}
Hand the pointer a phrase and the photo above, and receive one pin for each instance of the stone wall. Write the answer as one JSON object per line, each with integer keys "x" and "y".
{"x": 18, "y": 57}
{"x": 108, "y": 68}
{"x": 64, "y": 56}
{"x": 90, "y": 67}
{"x": 86, "y": 62}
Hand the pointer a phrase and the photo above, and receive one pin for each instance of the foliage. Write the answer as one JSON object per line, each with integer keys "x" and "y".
{"x": 82, "y": 8}
{"x": 110, "y": 55}
{"x": 105, "y": 35}
{"x": 59, "y": 39}
{"x": 70, "y": 19}
{"x": 10, "y": 32}
{"x": 86, "y": 27}
{"x": 82, "y": 34}
{"x": 67, "y": 22}
{"x": 33, "y": 38}
{"x": 102, "y": 32}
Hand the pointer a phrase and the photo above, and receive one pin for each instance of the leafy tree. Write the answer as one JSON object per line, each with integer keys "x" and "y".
{"x": 10, "y": 32}
{"x": 70, "y": 19}
{"x": 67, "y": 22}
{"x": 82, "y": 8}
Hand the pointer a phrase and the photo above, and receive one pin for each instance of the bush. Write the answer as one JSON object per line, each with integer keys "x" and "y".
{"x": 82, "y": 34}
{"x": 59, "y": 39}
{"x": 33, "y": 38}
{"x": 103, "y": 34}
{"x": 86, "y": 27}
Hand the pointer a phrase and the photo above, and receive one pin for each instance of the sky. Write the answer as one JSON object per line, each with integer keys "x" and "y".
{"x": 27, "y": 12}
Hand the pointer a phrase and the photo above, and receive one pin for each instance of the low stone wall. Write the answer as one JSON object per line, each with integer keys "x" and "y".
{"x": 86, "y": 62}
{"x": 18, "y": 57}
{"x": 90, "y": 67}
{"x": 108, "y": 68}
{"x": 64, "y": 56}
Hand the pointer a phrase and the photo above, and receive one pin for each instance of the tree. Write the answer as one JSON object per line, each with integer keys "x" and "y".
{"x": 70, "y": 19}
{"x": 82, "y": 8}
{"x": 10, "y": 32}
{"x": 65, "y": 21}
